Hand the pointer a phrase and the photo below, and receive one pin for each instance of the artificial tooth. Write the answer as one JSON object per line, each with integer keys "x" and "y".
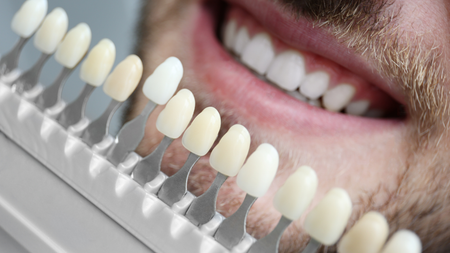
{"x": 259, "y": 171}
{"x": 98, "y": 63}
{"x": 74, "y": 46}
{"x": 357, "y": 108}
{"x": 229, "y": 33}
{"x": 123, "y": 80}
{"x": 287, "y": 70}
{"x": 327, "y": 221}
{"x": 315, "y": 103}
{"x": 368, "y": 235}
{"x": 241, "y": 40}
{"x": 162, "y": 84}
{"x": 201, "y": 134}
{"x": 52, "y": 31}
{"x": 258, "y": 53}
{"x": 229, "y": 154}
{"x": 403, "y": 241}
{"x": 315, "y": 84}
{"x": 338, "y": 97}
{"x": 297, "y": 95}
{"x": 29, "y": 17}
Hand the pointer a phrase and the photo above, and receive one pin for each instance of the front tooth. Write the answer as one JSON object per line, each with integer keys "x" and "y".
{"x": 327, "y": 221}
{"x": 357, "y": 108}
{"x": 241, "y": 40}
{"x": 287, "y": 70}
{"x": 403, "y": 241}
{"x": 292, "y": 199}
{"x": 162, "y": 84}
{"x": 259, "y": 171}
{"x": 74, "y": 46}
{"x": 258, "y": 53}
{"x": 29, "y": 17}
{"x": 229, "y": 33}
{"x": 98, "y": 63}
{"x": 123, "y": 80}
{"x": 315, "y": 84}
{"x": 229, "y": 154}
{"x": 338, "y": 97}
{"x": 52, "y": 31}
{"x": 201, "y": 134}
{"x": 368, "y": 235}
{"x": 175, "y": 117}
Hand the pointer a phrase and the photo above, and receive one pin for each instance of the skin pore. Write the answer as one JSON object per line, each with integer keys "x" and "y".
{"x": 399, "y": 168}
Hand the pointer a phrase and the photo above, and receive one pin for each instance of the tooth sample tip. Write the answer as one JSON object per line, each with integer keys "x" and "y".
{"x": 357, "y": 108}
{"x": 287, "y": 70}
{"x": 241, "y": 40}
{"x": 123, "y": 80}
{"x": 292, "y": 199}
{"x": 338, "y": 97}
{"x": 29, "y": 17}
{"x": 368, "y": 235}
{"x": 229, "y": 33}
{"x": 258, "y": 53}
{"x": 315, "y": 84}
{"x": 52, "y": 31}
{"x": 229, "y": 154}
{"x": 162, "y": 84}
{"x": 74, "y": 46}
{"x": 98, "y": 63}
{"x": 327, "y": 221}
{"x": 257, "y": 174}
{"x": 177, "y": 114}
{"x": 403, "y": 241}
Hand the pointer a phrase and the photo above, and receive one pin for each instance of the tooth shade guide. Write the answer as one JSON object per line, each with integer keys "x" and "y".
{"x": 403, "y": 241}
{"x": 74, "y": 46}
{"x": 52, "y": 31}
{"x": 98, "y": 63}
{"x": 29, "y": 17}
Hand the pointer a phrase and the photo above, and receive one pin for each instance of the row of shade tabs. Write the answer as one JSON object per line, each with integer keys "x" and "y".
{"x": 325, "y": 223}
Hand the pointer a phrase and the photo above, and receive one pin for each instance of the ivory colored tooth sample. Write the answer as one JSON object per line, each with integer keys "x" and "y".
{"x": 201, "y": 134}
{"x": 52, "y": 31}
{"x": 123, "y": 80}
{"x": 74, "y": 46}
{"x": 327, "y": 221}
{"x": 162, "y": 84}
{"x": 98, "y": 63}
{"x": 368, "y": 235}
{"x": 26, "y": 21}
{"x": 257, "y": 174}
{"x": 177, "y": 114}
{"x": 403, "y": 241}
{"x": 296, "y": 194}
{"x": 229, "y": 154}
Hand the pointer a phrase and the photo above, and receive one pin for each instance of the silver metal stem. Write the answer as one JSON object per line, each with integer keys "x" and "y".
{"x": 98, "y": 129}
{"x": 175, "y": 187}
{"x": 232, "y": 229}
{"x": 52, "y": 94}
{"x": 130, "y": 136}
{"x": 73, "y": 112}
{"x": 203, "y": 208}
{"x": 9, "y": 61}
{"x": 148, "y": 168}
{"x": 30, "y": 78}
{"x": 269, "y": 244}
{"x": 312, "y": 247}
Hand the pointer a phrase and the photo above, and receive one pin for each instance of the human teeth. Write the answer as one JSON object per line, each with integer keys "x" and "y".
{"x": 29, "y": 17}
{"x": 315, "y": 84}
{"x": 52, "y": 31}
{"x": 297, "y": 95}
{"x": 403, "y": 241}
{"x": 241, "y": 40}
{"x": 292, "y": 199}
{"x": 201, "y": 134}
{"x": 175, "y": 117}
{"x": 338, "y": 97}
{"x": 368, "y": 235}
{"x": 98, "y": 63}
{"x": 258, "y": 53}
{"x": 374, "y": 113}
{"x": 259, "y": 171}
{"x": 357, "y": 108}
{"x": 287, "y": 70}
{"x": 162, "y": 84}
{"x": 74, "y": 46}
{"x": 327, "y": 221}
{"x": 229, "y": 33}
{"x": 315, "y": 103}
{"x": 229, "y": 154}
{"x": 123, "y": 80}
